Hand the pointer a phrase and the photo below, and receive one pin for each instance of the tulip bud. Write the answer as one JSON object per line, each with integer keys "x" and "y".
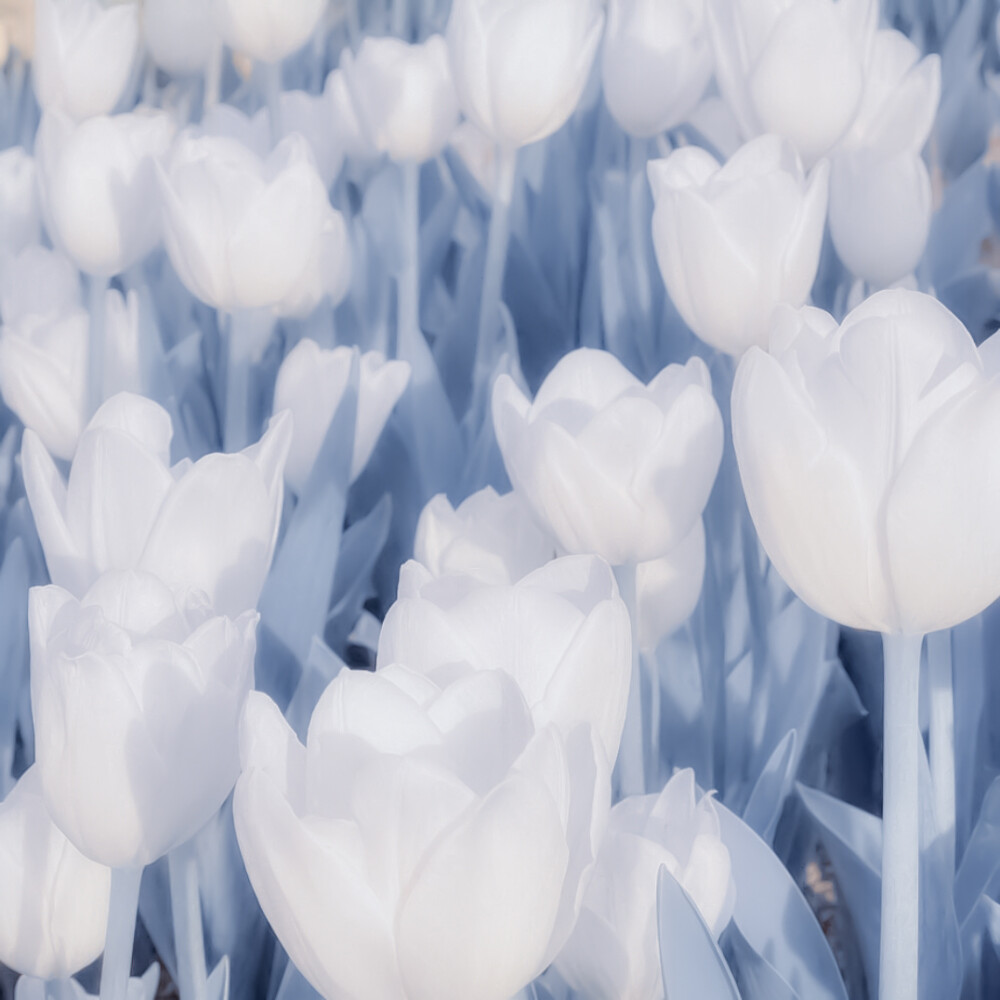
{"x": 610, "y": 465}
{"x": 267, "y": 30}
{"x": 136, "y": 694}
{"x": 733, "y": 242}
{"x": 211, "y": 525}
{"x": 795, "y": 69}
{"x": 656, "y": 62}
{"x": 520, "y": 66}
{"x": 311, "y": 383}
{"x": 99, "y": 186}
{"x": 866, "y": 451}
{"x": 243, "y": 233}
{"x": 55, "y": 901}
{"x": 180, "y": 35}
{"x": 84, "y": 53}
{"x": 403, "y": 95}
{"x": 347, "y": 129}
{"x": 614, "y": 951}
{"x": 429, "y": 841}
{"x": 880, "y": 189}
{"x": 494, "y": 539}
{"x": 20, "y": 213}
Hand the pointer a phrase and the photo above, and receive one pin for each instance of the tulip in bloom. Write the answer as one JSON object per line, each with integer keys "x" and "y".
{"x": 562, "y": 632}
{"x": 794, "y": 68}
{"x": 520, "y": 66}
{"x": 610, "y": 465}
{"x": 656, "y": 62}
{"x": 429, "y": 841}
{"x": 55, "y": 900}
{"x": 311, "y": 383}
{"x": 267, "y": 30}
{"x": 734, "y": 241}
{"x": 494, "y": 539}
{"x": 180, "y": 35}
{"x": 403, "y": 96}
{"x": 84, "y": 51}
{"x": 867, "y": 458}
{"x": 246, "y": 233}
{"x": 211, "y": 525}
{"x": 136, "y": 694}
{"x": 99, "y": 186}
{"x": 614, "y": 952}
{"x": 880, "y": 189}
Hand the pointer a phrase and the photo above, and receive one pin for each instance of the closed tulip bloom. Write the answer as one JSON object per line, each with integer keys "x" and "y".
{"x": 429, "y": 842}
{"x": 867, "y": 460}
{"x": 211, "y": 525}
{"x": 795, "y": 68}
{"x": 20, "y": 211}
{"x": 520, "y": 66}
{"x": 267, "y": 30}
{"x": 610, "y": 465}
{"x": 656, "y": 62}
{"x": 55, "y": 900}
{"x": 668, "y": 588}
{"x": 84, "y": 51}
{"x": 311, "y": 384}
{"x": 180, "y": 35}
{"x": 494, "y": 539}
{"x": 735, "y": 241}
{"x": 403, "y": 95}
{"x": 880, "y": 189}
{"x": 99, "y": 186}
{"x": 343, "y": 116}
{"x": 136, "y": 695}
{"x": 245, "y": 233}
{"x": 614, "y": 952}
{"x": 562, "y": 632}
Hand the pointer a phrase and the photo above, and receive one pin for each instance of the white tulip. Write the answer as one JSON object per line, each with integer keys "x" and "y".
{"x": 55, "y": 901}
{"x": 733, "y": 242}
{"x": 867, "y": 457}
{"x": 267, "y": 30}
{"x": 180, "y": 35}
{"x": 614, "y": 951}
{"x": 610, "y": 465}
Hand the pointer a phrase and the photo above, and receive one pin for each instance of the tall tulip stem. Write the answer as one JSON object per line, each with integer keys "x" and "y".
{"x": 496, "y": 257}
{"x": 96, "y": 359}
{"x": 117, "y": 965}
{"x": 900, "y": 819}
{"x": 630, "y": 768}
{"x": 639, "y": 222}
{"x": 942, "y": 736}
{"x": 408, "y": 307}
{"x": 272, "y": 95}
{"x": 189, "y": 939}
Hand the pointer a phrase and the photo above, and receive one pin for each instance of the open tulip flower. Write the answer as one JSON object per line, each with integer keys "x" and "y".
{"x": 211, "y": 525}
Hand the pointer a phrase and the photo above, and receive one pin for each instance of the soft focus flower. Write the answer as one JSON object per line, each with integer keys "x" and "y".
{"x": 180, "y": 35}
{"x": 311, "y": 383}
{"x": 403, "y": 95}
{"x": 520, "y": 66}
{"x": 343, "y": 114}
{"x": 20, "y": 212}
{"x": 99, "y": 186}
{"x": 668, "y": 588}
{"x": 613, "y": 953}
{"x": 210, "y": 526}
{"x": 656, "y": 62}
{"x": 612, "y": 466}
{"x": 136, "y": 696}
{"x": 55, "y": 901}
{"x": 429, "y": 841}
{"x": 868, "y": 460}
{"x": 267, "y": 30}
{"x": 246, "y": 233}
{"x": 494, "y": 539}
{"x": 734, "y": 241}
{"x": 562, "y": 632}
{"x": 84, "y": 52}
{"x": 880, "y": 189}
{"x": 795, "y": 68}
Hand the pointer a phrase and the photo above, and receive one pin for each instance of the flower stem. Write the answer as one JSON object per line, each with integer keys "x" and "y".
{"x": 630, "y": 768}
{"x": 408, "y": 282}
{"x": 942, "y": 736}
{"x": 117, "y": 965}
{"x": 213, "y": 79}
{"x": 185, "y": 905}
{"x": 96, "y": 358}
{"x": 639, "y": 223}
{"x": 900, "y": 819}
{"x": 496, "y": 258}
{"x": 272, "y": 95}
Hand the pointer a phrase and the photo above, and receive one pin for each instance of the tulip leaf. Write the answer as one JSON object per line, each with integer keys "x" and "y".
{"x": 692, "y": 965}
{"x": 768, "y": 796}
{"x": 756, "y": 978}
{"x": 979, "y": 872}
